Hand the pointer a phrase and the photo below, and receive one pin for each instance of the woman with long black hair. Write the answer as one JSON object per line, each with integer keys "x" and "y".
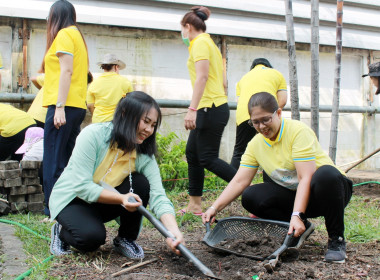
{"x": 65, "y": 66}
{"x": 119, "y": 154}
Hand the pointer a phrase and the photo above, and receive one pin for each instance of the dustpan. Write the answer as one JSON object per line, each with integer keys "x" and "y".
{"x": 243, "y": 228}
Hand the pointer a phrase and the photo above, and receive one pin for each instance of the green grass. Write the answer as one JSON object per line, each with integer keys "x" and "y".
{"x": 362, "y": 221}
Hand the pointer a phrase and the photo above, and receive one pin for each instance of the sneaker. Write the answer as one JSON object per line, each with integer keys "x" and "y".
{"x": 128, "y": 248}
{"x": 57, "y": 246}
{"x": 298, "y": 241}
{"x": 336, "y": 252}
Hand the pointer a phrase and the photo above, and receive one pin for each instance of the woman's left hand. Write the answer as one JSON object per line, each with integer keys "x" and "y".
{"x": 190, "y": 119}
{"x": 174, "y": 243}
{"x": 297, "y": 226}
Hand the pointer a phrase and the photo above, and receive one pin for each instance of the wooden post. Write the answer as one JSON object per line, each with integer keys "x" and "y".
{"x": 338, "y": 59}
{"x": 314, "y": 47}
{"x": 224, "y": 57}
{"x": 293, "y": 81}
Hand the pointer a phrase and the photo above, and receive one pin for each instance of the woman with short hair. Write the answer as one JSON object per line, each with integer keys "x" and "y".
{"x": 120, "y": 155}
{"x": 302, "y": 182}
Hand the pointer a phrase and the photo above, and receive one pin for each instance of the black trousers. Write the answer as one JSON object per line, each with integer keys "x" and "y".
{"x": 202, "y": 149}
{"x": 83, "y": 223}
{"x": 244, "y": 134}
{"x": 9, "y": 145}
{"x": 329, "y": 195}
{"x": 58, "y": 146}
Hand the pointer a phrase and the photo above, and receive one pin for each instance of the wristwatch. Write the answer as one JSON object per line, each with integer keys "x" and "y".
{"x": 59, "y": 105}
{"x": 300, "y": 215}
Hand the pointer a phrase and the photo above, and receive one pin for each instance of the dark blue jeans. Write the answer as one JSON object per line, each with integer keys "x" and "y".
{"x": 58, "y": 146}
{"x": 202, "y": 149}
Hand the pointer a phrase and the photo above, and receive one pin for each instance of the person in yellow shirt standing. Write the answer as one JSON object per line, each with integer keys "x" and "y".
{"x": 36, "y": 110}
{"x": 302, "y": 180}
{"x": 105, "y": 92}
{"x": 208, "y": 112}
{"x": 66, "y": 68}
{"x": 13, "y": 125}
{"x": 261, "y": 77}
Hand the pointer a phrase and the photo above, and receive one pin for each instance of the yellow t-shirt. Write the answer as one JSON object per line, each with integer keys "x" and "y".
{"x": 259, "y": 79}
{"x": 115, "y": 167}
{"x": 13, "y": 120}
{"x": 105, "y": 93}
{"x": 203, "y": 47}
{"x": 295, "y": 142}
{"x": 36, "y": 111}
{"x": 68, "y": 41}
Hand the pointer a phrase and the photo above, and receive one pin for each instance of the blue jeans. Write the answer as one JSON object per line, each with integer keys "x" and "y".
{"x": 58, "y": 146}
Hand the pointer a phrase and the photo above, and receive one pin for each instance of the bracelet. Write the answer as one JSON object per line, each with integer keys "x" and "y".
{"x": 212, "y": 207}
{"x": 192, "y": 109}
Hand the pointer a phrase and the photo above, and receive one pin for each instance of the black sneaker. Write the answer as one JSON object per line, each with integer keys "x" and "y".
{"x": 128, "y": 248}
{"x": 336, "y": 252}
{"x": 298, "y": 241}
{"x": 57, "y": 246}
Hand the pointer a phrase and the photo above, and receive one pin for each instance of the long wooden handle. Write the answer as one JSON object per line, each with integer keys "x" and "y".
{"x": 363, "y": 159}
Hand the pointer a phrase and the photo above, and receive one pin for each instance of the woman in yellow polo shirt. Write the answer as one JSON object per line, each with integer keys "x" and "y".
{"x": 302, "y": 182}
{"x": 66, "y": 67}
{"x": 13, "y": 125}
{"x": 208, "y": 112}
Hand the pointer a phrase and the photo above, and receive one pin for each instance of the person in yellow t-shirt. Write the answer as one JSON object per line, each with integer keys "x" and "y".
{"x": 208, "y": 112}
{"x": 106, "y": 91}
{"x": 301, "y": 182}
{"x": 36, "y": 110}
{"x": 261, "y": 77}
{"x": 66, "y": 68}
{"x": 13, "y": 125}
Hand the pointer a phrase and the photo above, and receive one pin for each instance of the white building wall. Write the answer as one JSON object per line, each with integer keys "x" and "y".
{"x": 156, "y": 57}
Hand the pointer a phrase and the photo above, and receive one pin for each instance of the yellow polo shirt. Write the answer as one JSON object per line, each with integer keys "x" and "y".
{"x": 203, "y": 47}
{"x": 68, "y": 41}
{"x": 105, "y": 93}
{"x": 115, "y": 167}
{"x": 13, "y": 120}
{"x": 36, "y": 111}
{"x": 259, "y": 79}
{"x": 295, "y": 142}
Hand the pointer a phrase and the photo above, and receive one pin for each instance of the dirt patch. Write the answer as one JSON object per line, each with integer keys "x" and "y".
{"x": 362, "y": 262}
{"x": 256, "y": 246}
{"x": 371, "y": 191}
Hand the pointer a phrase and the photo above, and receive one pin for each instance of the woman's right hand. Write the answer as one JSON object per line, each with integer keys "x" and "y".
{"x": 209, "y": 216}
{"x": 131, "y": 206}
{"x": 59, "y": 117}
{"x": 190, "y": 119}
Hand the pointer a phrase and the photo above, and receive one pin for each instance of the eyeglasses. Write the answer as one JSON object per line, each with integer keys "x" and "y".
{"x": 264, "y": 121}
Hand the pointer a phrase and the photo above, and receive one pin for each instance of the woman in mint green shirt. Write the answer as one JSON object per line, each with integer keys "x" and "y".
{"x": 120, "y": 154}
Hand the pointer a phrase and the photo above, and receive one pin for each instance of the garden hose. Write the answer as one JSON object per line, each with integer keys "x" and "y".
{"x": 28, "y": 272}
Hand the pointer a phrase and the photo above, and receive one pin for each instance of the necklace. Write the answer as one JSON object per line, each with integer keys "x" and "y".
{"x": 130, "y": 170}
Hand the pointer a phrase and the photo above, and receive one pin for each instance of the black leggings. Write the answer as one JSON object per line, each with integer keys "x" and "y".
{"x": 329, "y": 194}
{"x": 244, "y": 134}
{"x": 202, "y": 149}
{"x": 83, "y": 223}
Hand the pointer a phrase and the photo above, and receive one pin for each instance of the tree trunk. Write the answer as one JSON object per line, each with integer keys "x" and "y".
{"x": 294, "y": 102}
{"x": 315, "y": 66}
{"x": 338, "y": 59}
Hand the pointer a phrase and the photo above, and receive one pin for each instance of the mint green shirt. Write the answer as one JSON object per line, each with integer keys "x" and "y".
{"x": 76, "y": 180}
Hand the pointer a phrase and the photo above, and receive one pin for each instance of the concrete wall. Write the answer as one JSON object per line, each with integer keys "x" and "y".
{"x": 156, "y": 63}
